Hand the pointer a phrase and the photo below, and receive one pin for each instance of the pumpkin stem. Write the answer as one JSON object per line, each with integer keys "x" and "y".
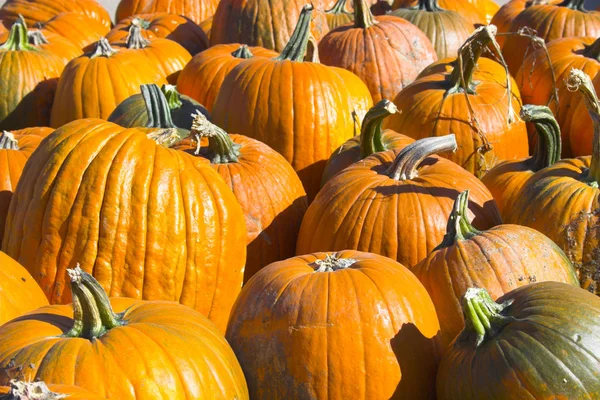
{"x": 165, "y": 137}
{"x": 458, "y": 228}
{"x": 331, "y": 263}
{"x": 103, "y": 49}
{"x": 338, "y": 8}
{"x": 593, "y": 50}
{"x": 408, "y": 160}
{"x": 548, "y": 146}
{"x": 574, "y": 5}
{"x": 17, "y": 38}
{"x": 144, "y": 24}
{"x": 8, "y": 141}
{"x": 135, "y": 40}
{"x": 172, "y": 95}
{"x": 220, "y": 146}
{"x": 157, "y": 107}
{"x": 580, "y": 81}
{"x": 36, "y": 37}
{"x": 483, "y": 318}
{"x": 295, "y": 49}
{"x": 370, "y": 135}
{"x": 30, "y": 391}
{"x": 92, "y": 313}
{"x": 363, "y": 17}
{"x": 428, "y": 5}
{"x": 243, "y": 52}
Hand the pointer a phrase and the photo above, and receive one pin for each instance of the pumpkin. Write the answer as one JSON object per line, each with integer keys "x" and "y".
{"x": 28, "y": 75}
{"x": 562, "y": 200}
{"x": 394, "y": 203}
{"x": 34, "y": 11}
{"x": 202, "y": 77}
{"x": 446, "y": 29}
{"x": 550, "y": 22}
{"x": 338, "y": 15}
{"x": 476, "y": 16}
{"x": 264, "y": 24}
{"x": 150, "y": 222}
{"x": 196, "y": 10}
{"x": 386, "y": 52}
{"x": 536, "y": 86}
{"x": 75, "y": 27}
{"x": 304, "y": 111}
{"x": 499, "y": 260}
{"x": 151, "y": 106}
{"x": 509, "y": 11}
{"x": 372, "y": 139}
{"x": 19, "y": 390}
{"x": 345, "y": 325}
{"x": 469, "y": 97}
{"x": 263, "y": 182}
{"x": 53, "y": 43}
{"x": 161, "y": 350}
{"x": 506, "y": 179}
{"x": 206, "y": 26}
{"x": 117, "y": 75}
{"x": 174, "y": 27}
{"x": 541, "y": 341}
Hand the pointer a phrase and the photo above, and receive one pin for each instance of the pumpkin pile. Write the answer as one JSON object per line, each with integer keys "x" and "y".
{"x": 328, "y": 199}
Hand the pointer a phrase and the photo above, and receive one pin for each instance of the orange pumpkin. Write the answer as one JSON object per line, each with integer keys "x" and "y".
{"x": 499, "y": 260}
{"x": 304, "y": 111}
{"x": 467, "y": 96}
{"x": 509, "y": 11}
{"x": 196, "y": 10}
{"x": 53, "y": 43}
{"x": 150, "y": 222}
{"x": 19, "y": 390}
{"x": 75, "y": 27}
{"x": 202, "y": 77}
{"x": 347, "y": 325}
{"x": 206, "y": 26}
{"x": 394, "y": 203}
{"x": 476, "y": 15}
{"x": 386, "y": 52}
{"x": 161, "y": 350}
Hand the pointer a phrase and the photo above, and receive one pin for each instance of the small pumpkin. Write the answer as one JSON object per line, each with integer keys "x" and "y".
{"x": 124, "y": 335}
{"x": 196, "y": 10}
{"x": 19, "y": 390}
{"x": 345, "y": 325}
{"x": 75, "y": 27}
{"x": 394, "y": 203}
{"x": 541, "y": 341}
{"x": 372, "y": 139}
{"x": 202, "y": 77}
{"x": 338, "y": 15}
{"x": 499, "y": 260}
{"x": 53, "y": 43}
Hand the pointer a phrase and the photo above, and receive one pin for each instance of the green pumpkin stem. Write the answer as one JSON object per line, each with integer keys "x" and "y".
{"x": 157, "y": 107}
{"x": 295, "y": 49}
{"x": 593, "y": 50}
{"x": 428, "y": 5}
{"x": 92, "y": 312}
{"x": 172, "y": 95}
{"x": 221, "y": 149}
{"x": 103, "y": 49}
{"x": 408, "y": 160}
{"x": 36, "y": 38}
{"x": 17, "y": 38}
{"x": 135, "y": 40}
{"x": 574, "y": 5}
{"x": 370, "y": 135}
{"x": 30, "y": 391}
{"x": 363, "y": 17}
{"x": 548, "y": 146}
{"x": 338, "y": 8}
{"x": 243, "y": 52}
{"x": 458, "y": 228}
{"x": 8, "y": 141}
{"x": 482, "y": 315}
{"x": 580, "y": 81}
{"x": 144, "y": 24}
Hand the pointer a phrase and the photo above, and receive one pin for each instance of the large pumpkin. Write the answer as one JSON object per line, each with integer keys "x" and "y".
{"x": 202, "y": 77}
{"x": 75, "y": 27}
{"x": 499, "y": 260}
{"x": 469, "y": 97}
{"x": 150, "y": 222}
{"x": 265, "y": 185}
{"x": 540, "y": 341}
{"x": 562, "y": 200}
{"x": 53, "y": 43}
{"x": 446, "y": 29}
{"x": 196, "y": 10}
{"x": 19, "y": 390}
{"x": 394, "y": 203}
{"x": 304, "y": 111}
{"x": 346, "y": 325}
{"x": 506, "y": 179}
{"x": 141, "y": 350}
{"x": 116, "y": 76}
{"x": 504, "y": 17}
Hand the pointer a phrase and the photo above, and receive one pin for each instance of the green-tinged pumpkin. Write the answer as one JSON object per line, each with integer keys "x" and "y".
{"x": 338, "y": 15}
{"x": 476, "y": 16}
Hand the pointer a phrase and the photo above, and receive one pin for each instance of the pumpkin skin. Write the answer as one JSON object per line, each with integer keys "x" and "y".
{"x": 509, "y": 11}
{"x": 545, "y": 346}
{"x": 33, "y": 390}
{"x": 183, "y": 242}
{"x": 202, "y": 77}
{"x": 394, "y": 355}
{"x": 19, "y": 293}
{"x": 84, "y": 95}
{"x": 476, "y": 16}
{"x": 53, "y": 43}
{"x": 322, "y": 97}
{"x": 206, "y": 26}
{"x": 196, "y": 10}
{"x": 438, "y": 105}
{"x": 369, "y": 207}
{"x": 174, "y": 27}
{"x": 338, "y": 15}
{"x": 386, "y": 52}
{"x": 161, "y": 349}
{"x": 499, "y": 260}
{"x": 75, "y": 27}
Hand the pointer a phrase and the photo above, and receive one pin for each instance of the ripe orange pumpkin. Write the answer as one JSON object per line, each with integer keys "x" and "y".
{"x": 174, "y": 27}
{"x": 161, "y": 350}
{"x": 18, "y": 390}
{"x": 150, "y": 222}
{"x": 386, "y": 52}
{"x": 499, "y": 260}
{"x": 467, "y": 96}
{"x": 562, "y": 200}
{"x": 196, "y": 10}
{"x": 202, "y": 77}
{"x": 347, "y": 325}
{"x": 52, "y": 43}
{"x": 509, "y": 11}
{"x": 265, "y": 185}
{"x": 476, "y": 15}
{"x": 394, "y": 203}
{"x": 75, "y": 27}
{"x": 117, "y": 75}
{"x": 338, "y": 15}
{"x": 304, "y": 111}
{"x": 372, "y": 139}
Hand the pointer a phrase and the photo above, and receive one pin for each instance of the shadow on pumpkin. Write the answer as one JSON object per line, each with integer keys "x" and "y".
{"x": 311, "y": 178}
{"x": 5, "y": 196}
{"x": 33, "y": 109}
